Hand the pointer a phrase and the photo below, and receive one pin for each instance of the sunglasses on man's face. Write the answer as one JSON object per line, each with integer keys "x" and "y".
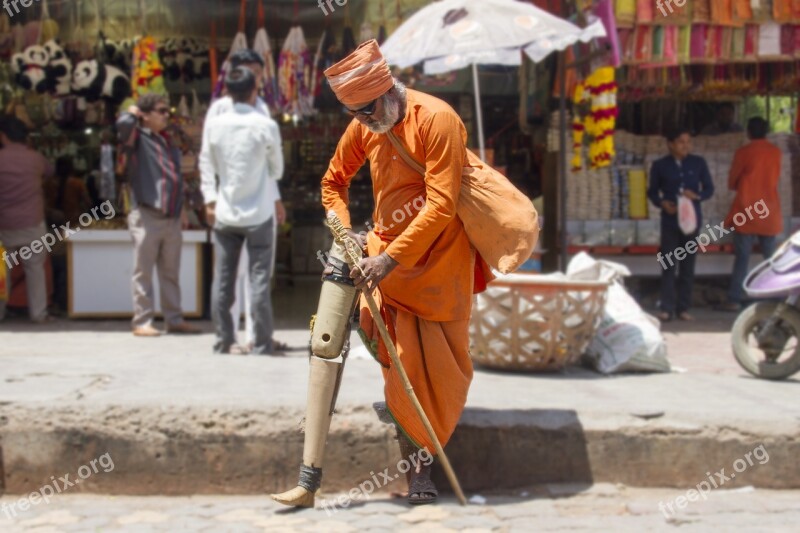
{"x": 162, "y": 111}
{"x": 367, "y": 110}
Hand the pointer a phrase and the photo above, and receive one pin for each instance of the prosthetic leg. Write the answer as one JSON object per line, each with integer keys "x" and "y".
{"x": 330, "y": 344}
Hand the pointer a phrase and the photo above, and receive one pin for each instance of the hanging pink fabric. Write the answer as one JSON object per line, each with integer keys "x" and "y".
{"x": 643, "y": 39}
{"x": 665, "y": 47}
{"x": 604, "y": 10}
{"x": 671, "y": 45}
{"x": 698, "y": 47}
{"x": 751, "y": 41}
{"x": 797, "y": 45}
{"x": 787, "y": 40}
{"x": 714, "y": 50}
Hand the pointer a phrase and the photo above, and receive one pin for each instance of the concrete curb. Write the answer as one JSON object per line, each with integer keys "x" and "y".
{"x": 184, "y": 451}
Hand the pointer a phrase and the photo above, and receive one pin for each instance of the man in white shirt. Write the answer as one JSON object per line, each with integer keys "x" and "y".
{"x": 242, "y": 148}
{"x": 251, "y": 60}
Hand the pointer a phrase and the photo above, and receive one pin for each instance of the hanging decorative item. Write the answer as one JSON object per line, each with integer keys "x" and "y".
{"x": 148, "y": 73}
{"x": 579, "y": 101}
{"x": 294, "y": 76}
{"x": 601, "y": 123}
{"x": 269, "y": 89}
{"x": 50, "y": 28}
{"x": 239, "y": 43}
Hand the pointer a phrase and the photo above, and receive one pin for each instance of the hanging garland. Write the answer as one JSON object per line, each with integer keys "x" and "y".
{"x": 579, "y": 100}
{"x": 602, "y": 120}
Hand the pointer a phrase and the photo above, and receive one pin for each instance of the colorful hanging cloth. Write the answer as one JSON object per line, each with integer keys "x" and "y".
{"x": 701, "y": 11}
{"x": 604, "y": 9}
{"x": 148, "y": 72}
{"x": 625, "y": 12}
{"x": 269, "y": 89}
{"x": 294, "y": 75}
{"x": 742, "y": 12}
{"x": 769, "y": 40}
{"x": 722, "y": 12}
{"x": 644, "y": 11}
{"x": 684, "y": 44}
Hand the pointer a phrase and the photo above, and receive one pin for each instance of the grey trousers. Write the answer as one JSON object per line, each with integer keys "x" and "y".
{"x": 35, "y": 283}
{"x": 157, "y": 242}
{"x": 228, "y": 242}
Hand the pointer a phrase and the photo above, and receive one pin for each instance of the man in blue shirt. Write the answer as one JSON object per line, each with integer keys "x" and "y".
{"x": 673, "y": 175}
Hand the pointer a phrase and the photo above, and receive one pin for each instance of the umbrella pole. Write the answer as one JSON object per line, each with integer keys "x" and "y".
{"x": 562, "y": 158}
{"x": 478, "y": 110}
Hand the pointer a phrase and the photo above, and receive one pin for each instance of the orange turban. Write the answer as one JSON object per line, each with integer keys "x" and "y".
{"x": 361, "y": 77}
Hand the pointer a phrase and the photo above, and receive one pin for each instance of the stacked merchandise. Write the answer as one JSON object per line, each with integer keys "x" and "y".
{"x": 639, "y": 152}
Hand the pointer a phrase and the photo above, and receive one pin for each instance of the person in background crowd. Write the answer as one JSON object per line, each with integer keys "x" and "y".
{"x": 72, "y": 196}
{"x": 679, "y": 171}
{"x": 754, "y": 176}
{"x": 156, "y": 221}
{"x": 243, "y": 149}
{"x": 724, "y": 122}
{"x": 67, "y": 199}
{"x": 22, "y": 223}
{"x": 251, "y": 60}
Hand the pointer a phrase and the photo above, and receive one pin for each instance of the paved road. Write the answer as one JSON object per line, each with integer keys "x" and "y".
{"x": 552, "y": 508}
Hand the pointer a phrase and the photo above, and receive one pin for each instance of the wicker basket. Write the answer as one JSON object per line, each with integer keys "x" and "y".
{"x": 535, "y": 323}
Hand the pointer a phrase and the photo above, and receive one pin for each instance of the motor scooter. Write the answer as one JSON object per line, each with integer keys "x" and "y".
{"x": 766, "y": 335}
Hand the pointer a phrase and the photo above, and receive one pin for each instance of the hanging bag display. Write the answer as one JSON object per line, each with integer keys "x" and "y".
{"x": 500, "y": 221}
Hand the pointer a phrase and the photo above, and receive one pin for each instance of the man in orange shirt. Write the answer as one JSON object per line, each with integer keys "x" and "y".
{"x": 421, "y": 263}
{"x": 756, "y": 210}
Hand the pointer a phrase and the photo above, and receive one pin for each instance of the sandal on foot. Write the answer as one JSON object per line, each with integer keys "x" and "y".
{"x": 686, "y": 317}
{"x": 664, "y": 316}
{"x": 422, "y": 491}
{"x": 238, "y": 350}
{"x": 278, "y": 346}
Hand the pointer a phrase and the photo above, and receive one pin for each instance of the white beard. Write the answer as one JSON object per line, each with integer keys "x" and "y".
{"x": 391, "y": 114}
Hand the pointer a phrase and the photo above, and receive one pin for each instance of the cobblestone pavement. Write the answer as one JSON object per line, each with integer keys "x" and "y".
{"x": 552, "y": 508}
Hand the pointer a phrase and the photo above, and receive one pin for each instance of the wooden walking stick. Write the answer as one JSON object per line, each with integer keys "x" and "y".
{"x": 353, "y": 257}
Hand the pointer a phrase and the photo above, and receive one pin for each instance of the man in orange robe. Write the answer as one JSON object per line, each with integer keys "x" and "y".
{"x": 419, "y": 255}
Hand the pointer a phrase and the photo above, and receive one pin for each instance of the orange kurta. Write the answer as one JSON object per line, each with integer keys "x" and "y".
{"x": 754, "y": 176}
{"x": 427, "y": 299}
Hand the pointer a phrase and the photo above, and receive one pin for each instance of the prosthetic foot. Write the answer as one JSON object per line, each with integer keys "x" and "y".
{"x": 330, "y": 332}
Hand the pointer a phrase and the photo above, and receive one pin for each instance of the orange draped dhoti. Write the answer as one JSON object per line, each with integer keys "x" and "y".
{"x": 435, "y": 355}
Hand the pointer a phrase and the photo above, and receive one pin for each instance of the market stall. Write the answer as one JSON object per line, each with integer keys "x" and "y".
{"x": 676, "y": 64}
